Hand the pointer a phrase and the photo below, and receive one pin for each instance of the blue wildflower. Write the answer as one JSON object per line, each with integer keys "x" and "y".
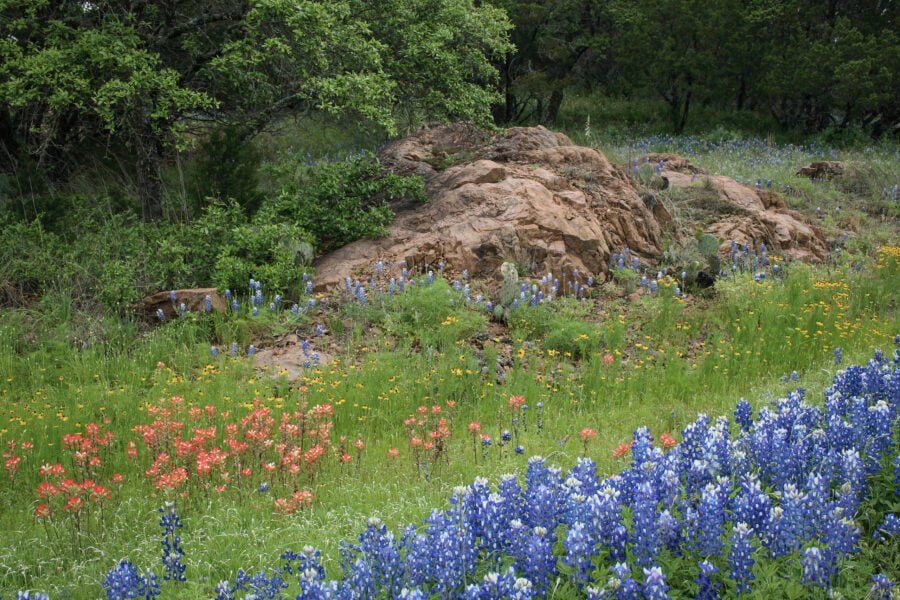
{"x": 816, "y": 570}
{"x": 882, "y": 588}
{"x": 171, "y": 543}
{"x": 655, "y": 587}
{"x": 125, "y": 582}
{"x": 708, "y": 588}
{"x": 740, "y": 559}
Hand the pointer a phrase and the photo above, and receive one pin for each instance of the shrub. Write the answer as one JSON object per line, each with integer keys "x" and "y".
{"x": 338, "y": 202}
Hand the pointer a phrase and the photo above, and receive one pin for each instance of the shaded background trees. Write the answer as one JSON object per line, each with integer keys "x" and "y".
{"x": 130, "y": 84}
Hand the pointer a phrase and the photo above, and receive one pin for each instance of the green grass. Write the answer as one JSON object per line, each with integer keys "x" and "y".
{"x": 673, "y": 359}
{"x": 62, "y": 368}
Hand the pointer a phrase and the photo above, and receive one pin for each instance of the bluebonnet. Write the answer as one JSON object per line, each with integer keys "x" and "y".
{"x": 710, "y": 525}
{"x": 816, "y": 570}
{"x": 646, "y": 539}
{"x": 579, "y": 547}
{"x": 171, "y": 543}
{"x": 889, "y": 528}
{"x": 207, "y": 303}
{"x": 882, "y": 588}
{"x": 838, "y": 356}
{"x": 124, "y": 581}
{"x": 741, "y": 559}
{"x": 160, "y": 315}
{"x": 743, "y": 415}
{"x": 897, "y": 473}
{"x": 31, "y": 596}
{"x": 708, "y": 588}
{"x": 214, "y": 351}
{"x": 655, "y": 587}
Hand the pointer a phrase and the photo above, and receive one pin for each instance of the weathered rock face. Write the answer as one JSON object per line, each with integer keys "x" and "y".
{"x": 764, "y": 217}
{"x": 528, "y": 195}
{"x": 192, "y": 299}
{"x": 825, "y": 169}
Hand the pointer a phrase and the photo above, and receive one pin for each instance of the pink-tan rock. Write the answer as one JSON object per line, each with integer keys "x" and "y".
{"x": 764, "y": 218}
{"x": 528, "y": 195}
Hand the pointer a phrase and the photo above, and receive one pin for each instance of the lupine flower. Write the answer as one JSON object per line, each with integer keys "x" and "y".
{"x": 882, "y": 588}
{"x": 124, "y": 582}
{"x": 709, "y": 589}
{"x": 740, "y": 559}
{"x": 838, "y": 356}
{"x": 655, "y": 587}
{"x": 816, "y": 570}
{"x": 889, "y": 528}
{"x": 743, "y": 415}
{"x": 171, "y": 544}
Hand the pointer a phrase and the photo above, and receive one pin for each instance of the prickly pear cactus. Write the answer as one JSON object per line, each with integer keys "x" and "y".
{"x": 709, "y": 248}
{"x": 708, "y": 245}
{"x": 509, "y": 290}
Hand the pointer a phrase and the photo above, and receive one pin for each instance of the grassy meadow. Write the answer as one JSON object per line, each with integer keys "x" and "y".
{"x": 603, "y": 363}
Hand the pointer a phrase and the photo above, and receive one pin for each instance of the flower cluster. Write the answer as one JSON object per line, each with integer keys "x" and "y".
{"x": 193, "y": 447}
{"x": 786, "y": 483}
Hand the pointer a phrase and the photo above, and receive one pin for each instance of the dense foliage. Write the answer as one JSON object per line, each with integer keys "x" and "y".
{"x": 312, "y": 209}
{"x": 807, "y": 63}
{"x": 134, "y": 80}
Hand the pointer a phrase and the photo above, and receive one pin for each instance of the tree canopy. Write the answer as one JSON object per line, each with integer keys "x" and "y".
{"x": 136, "y": 78}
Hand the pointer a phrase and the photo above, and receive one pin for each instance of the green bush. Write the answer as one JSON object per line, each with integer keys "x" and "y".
{"x": 273, "y": 253}
{"x": 338, "y": 202}
{"x": 227, "y": 167}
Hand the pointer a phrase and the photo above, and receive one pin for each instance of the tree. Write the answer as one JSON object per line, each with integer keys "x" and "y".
{"x": 557, "y": 45}
{"x": 138, "y": 78}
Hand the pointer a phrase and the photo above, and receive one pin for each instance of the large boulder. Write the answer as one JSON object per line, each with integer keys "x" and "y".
{"x": 527, "y": 195}
{"x": 754, "y": 215}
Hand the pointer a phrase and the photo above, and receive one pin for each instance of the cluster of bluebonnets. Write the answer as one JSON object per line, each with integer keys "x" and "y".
{"x": 790, "y": 481}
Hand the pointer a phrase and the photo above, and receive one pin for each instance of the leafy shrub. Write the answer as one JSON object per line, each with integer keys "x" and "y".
{"x": 338, "y": 202}
{"x": 273, "y": 253}
{"x": 227, "y": 167}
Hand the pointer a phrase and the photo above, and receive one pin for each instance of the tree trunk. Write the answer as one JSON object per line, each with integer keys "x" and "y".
{"x": 554, "y": 105}
{"x": 9, "y": 146}
{"x": 682, "y": 121}
{"x": 149, "y": 179}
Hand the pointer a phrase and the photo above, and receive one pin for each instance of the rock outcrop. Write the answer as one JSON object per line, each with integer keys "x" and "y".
{"x": 762, "y": 215}
{"x": 528, "y": 195}
{"x": 825, "y": 169}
